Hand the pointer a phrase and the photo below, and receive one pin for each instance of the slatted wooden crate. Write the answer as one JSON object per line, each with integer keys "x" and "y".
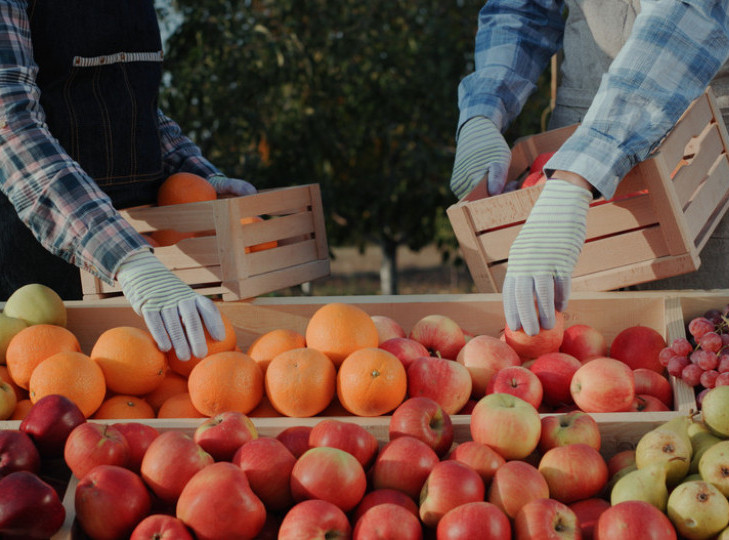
{"x": 655, "y": 227}
{"x": 222, "y": 259}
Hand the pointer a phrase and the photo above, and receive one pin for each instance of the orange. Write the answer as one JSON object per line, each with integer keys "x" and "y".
{"x": 124, "y": 407}
{"x": 20, "y": 393}
{"x": 272, "y": 343}
{"x": 71, "y": 374}
{"x": 32, "y": 345}
{"x": 339, "y": 329}
{"x": 225, "y": 381}
{"x": 131, "y": 361}
{"x": 264, "y": 409}
{"x": 184, "y": 187}
{"x": 172, "y": 383}
{"x": 21, "y": 409}
{"x": 257, "y": 247}
{"x": 228, "y": 343}
{"x": 179, "y": 406}
{"x": 371, "y": 382}
{"x": 301, "y": 382}
{"x": 168, "y": 237}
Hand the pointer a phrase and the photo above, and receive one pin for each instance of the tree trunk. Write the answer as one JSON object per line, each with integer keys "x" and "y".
{"x": 388, "y": 267}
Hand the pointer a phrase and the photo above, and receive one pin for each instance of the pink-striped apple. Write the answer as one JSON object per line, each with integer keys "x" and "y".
{"x": 546, "y": 518}
{"x": 347, "y": 436}
{"x": 603, "y": 385}
{"x": 221, "y": 435}
{"x": 388, "y": 520}
{"x": 584, "y": 342}
{"x": 484, "y": 356}
{"x": 480, "y": 457}
{"x": 655, "y": 384}
{"x": 449, "y": 484}
{"x": 268, "y": 465}
{"x": 423, "y": 418}
{"x": 441, "y": 335}
{"x": 445, "y": 381}
{"x": 573, "y": 472}
{"x": 482, "y": 520}
{"x": 555, "y": 371}
{"x": 315, "y": 519}
{"x": 568, "y": 428}
{"x": 639, "y": 346}
{"x": 403, "y": 464}
{"x": 515, "y": 484}
{"x": 518, "y": 381}
{"x": 506, "y": 423}
{"x": 387, "y": 327}
{"x": 405, "y": 349}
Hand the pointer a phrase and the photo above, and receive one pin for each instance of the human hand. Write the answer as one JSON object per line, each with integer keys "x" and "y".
{"x": 173, "y": 312}
{"x": 231, "y": 186}
{"x": 543, "y": 256}
{"x": 481, "y": 149}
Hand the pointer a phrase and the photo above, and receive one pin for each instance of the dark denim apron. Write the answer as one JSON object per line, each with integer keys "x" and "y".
{"x": 99, "y": 75}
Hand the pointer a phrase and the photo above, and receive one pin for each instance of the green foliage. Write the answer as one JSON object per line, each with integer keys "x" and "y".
{"x": 360, "y": 97}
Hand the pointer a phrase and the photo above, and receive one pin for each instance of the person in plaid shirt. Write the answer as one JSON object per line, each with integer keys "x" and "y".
{"x": 630, "y": 69}
{"x": 81, "y": 136}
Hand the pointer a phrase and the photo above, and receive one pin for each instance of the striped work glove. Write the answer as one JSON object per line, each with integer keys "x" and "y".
{"x": 481, "y": 149}
{"x": 543, "y": 256}
{"x": 173, "y": 312}
{"x": 231, "y": 186}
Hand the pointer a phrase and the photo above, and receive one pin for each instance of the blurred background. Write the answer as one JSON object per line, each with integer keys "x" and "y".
{"x": 359, "y": 97}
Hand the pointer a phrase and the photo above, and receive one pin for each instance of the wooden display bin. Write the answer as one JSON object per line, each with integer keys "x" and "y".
{"x": 655, "y": 227}
{"x": 222, "y": 258}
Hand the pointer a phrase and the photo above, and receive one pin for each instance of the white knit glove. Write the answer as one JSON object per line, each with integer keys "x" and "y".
{"x": 231, "y": 186}
{"x": 481, "y": 149}
{"x": 543, "y": 256}
{"x": 173, "y": 312}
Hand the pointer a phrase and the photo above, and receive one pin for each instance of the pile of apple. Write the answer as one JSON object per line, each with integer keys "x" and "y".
{"x": 557, "y": 370}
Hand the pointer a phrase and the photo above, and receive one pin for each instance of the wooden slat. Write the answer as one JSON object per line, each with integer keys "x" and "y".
{"x": 709, "y": 205}
{"x": 690, "y": 177}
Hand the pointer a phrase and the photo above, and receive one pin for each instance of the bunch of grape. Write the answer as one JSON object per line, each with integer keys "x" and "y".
{"x": 701, "y": 359}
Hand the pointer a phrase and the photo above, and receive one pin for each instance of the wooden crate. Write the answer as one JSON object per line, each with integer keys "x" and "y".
{"x": 655, "y": 227}
{"x": 220, "y": 262}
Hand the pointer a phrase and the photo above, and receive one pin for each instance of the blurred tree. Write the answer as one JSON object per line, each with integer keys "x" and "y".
{"x": 360, "y": 97}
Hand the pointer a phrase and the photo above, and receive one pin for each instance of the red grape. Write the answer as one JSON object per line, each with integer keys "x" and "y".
{"x": 710, "y": 341}
{"x": 691, "y": 374}
{"x": 699, "y": 326}
{"x": 723, "y": 365}
{"x": 722, "y": 379}
{"x": 714, "y": 315}
{"x": 704, "y": 359}
{"x": 708, "y": 378}
{"x": 682, "y": 346}
{"x": 665, "y": 355}
{"x": 676, "y": 365}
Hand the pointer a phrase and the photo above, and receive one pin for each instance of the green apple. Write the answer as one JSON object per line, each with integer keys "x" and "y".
{"x": 36, "y": 304}
{"x": 7, "y": 400}
{"x": 9, "y": 326}
{"x": 715, "y": 411}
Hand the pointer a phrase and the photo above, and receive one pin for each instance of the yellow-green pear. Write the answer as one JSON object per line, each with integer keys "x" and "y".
{"x": 723, "y": 535}
{"x": 36, "y": 304}
{"x": 646, "y": 484}
{"x": 701, "y": 440}
{"x": 668, "y": 443}
{"x": 714, "y": 466}
{"x": 715, "y": 410}
{"x": 698, "y": 510}
{"x": 9, "y": 326}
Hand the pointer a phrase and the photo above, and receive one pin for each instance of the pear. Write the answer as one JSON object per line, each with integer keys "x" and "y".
{"x": 714, "y": 466}
{"x": 668, "y": 443}
{"x": 698, "y": 510}
{"x": 646, "y": 484}
{"x": 701, "y": 440}
{"x": 723, "y": 535}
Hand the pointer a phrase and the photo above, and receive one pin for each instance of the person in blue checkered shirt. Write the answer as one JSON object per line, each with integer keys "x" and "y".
{"x": 628, "y": 72}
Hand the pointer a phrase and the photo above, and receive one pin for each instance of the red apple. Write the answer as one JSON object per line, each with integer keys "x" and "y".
{"x": 514, "y": 484}
{"x": 330, "y": 474}
{"x": 481, "y": 519}
{"x": 480, "y": 457}
{"x": 138, "y": 436}
{"x": 403, "y": 464}
{"x": 629, "y": 516}
{"x": 620, "y": 460}
{"x": 161, "y": 527}
{"x": 405, "y": 349}
{"x": 555, "y": 371}
{"x": 518, "y": 381}
{"x": 216, "y": 491}
{"x": 17, "y": 452}
{"x": 110, "y": 501}
{"x": 170, "y": 462}
{"x": 655, "y": 384}
{"x": 382, "y": 496}
{"x": 424, "y": 419}
{"x": 449, "y": 484}
{"x": 221, "y": 435}
{"x": 506, "y": 423}
{"x": 29, "y": 507}
{"x": 584, "y": 342}
{"x": 484, "y": 356}
{"x": 49, "y": 421}
{"x": 268, "y": 465}
{"x": 468, "y": 407}
{"x": 588, "y": 511}
{"x": 545, "y": 341}
{"x": 646, "y": 403}
{"x": 296, "y": 439}
{"x": 90, "y": 444}
{"x": 573, "y": 472}
{"x": 603, "y": 385}
{"x": 441, "y": 335}
{"x": 387, "y": 327}
{"x": 388, "y": 520}
{"x": 315, "y": 519}
{"x": 445, "y": 381}
{"x": 347, "y": 436}
{"x": 546, "y": 518}
{"x": 638, "y": 346}
{"x": 568, "y": 428}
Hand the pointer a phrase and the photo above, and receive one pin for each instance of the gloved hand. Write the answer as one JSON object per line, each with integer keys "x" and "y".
{"x": 171, "y": 309}
{"x": 543, "y": 256}
{"x": 231, "y": 186}
{"x": 481, "y": 149}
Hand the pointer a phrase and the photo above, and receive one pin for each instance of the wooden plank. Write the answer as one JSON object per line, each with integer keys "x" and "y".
{"x": 472, "y": 249}
{"x": 709, "y": 205}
